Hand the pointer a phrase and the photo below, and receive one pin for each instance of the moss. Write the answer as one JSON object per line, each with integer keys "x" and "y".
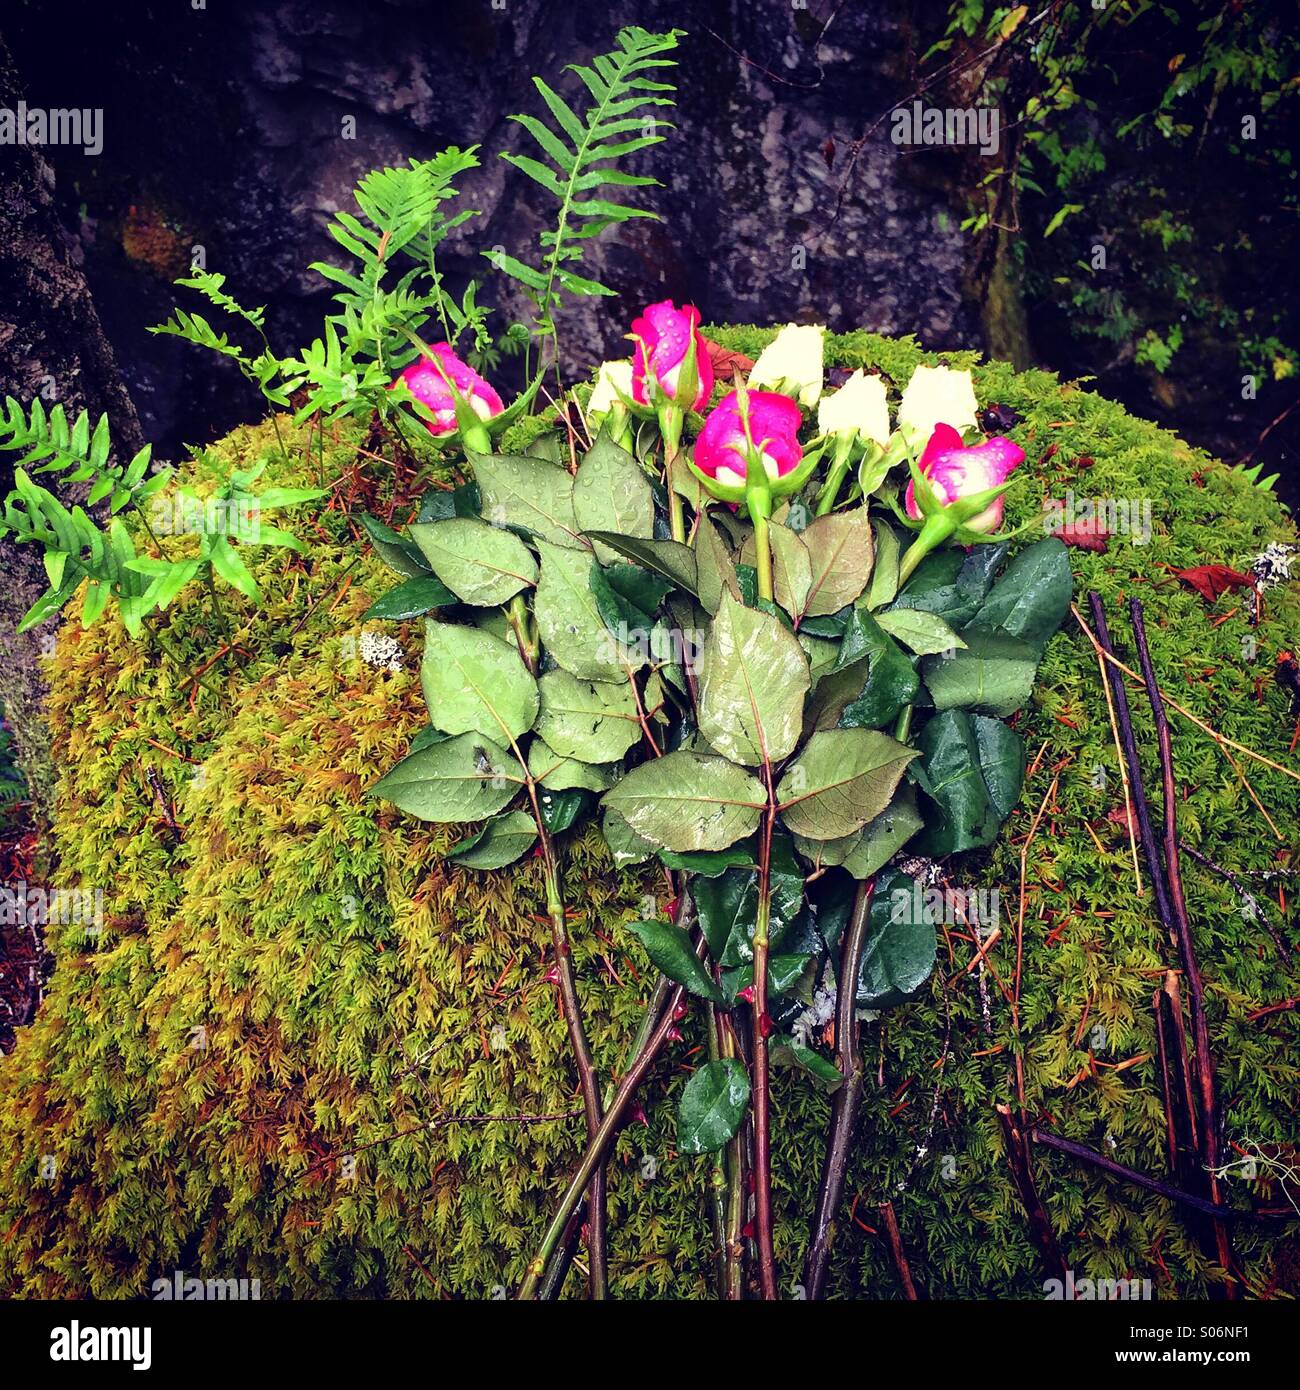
{"x": 302, "y": 976}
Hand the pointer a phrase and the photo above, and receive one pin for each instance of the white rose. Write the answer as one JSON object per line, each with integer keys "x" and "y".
{"x": 858, "y": 407}
{"x": 937, "y": 396}
{"x": 612, "y": 378}
{"x": 792, "y": 363}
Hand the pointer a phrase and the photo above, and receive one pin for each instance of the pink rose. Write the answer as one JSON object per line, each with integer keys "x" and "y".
{"x": 663, "y": 335}
{"x": 774, "y": 422}
{"x": 427, "y": 382}
{"x": 954, "y": 471}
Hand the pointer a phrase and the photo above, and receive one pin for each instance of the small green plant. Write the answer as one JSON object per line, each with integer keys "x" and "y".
{"x": 77, "y": 548}
{"x": 583, "y": 153}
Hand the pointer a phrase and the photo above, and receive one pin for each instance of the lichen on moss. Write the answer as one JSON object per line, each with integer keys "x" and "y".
{"x": 280, "y": 1057}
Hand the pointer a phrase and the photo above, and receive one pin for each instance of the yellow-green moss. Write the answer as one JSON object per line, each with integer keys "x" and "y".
{"x": 303, "y": 976}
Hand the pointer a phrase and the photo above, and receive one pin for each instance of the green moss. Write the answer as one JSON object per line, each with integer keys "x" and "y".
{"x": 303, "y": 976}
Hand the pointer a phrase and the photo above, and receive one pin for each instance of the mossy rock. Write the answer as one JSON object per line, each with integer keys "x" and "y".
{"x": 300, "y": 975}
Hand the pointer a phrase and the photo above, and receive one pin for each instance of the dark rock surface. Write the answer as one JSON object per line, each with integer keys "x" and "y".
{"x": 230, "y": 127}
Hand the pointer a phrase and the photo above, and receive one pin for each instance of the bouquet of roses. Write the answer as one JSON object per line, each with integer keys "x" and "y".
{"x": 771, "y": 641}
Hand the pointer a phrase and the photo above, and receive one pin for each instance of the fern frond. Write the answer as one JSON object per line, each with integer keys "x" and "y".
{"x": 583, "y": 154}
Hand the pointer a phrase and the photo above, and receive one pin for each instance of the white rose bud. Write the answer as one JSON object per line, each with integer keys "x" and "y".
{"x": 937, "y": 396}
{"x": 612, "y": 378}
{"x": 857, "y": 408}
{"x": 792, "y": 363}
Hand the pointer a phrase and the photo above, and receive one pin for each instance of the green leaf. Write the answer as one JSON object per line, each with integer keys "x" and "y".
{"x": 715, "y": 569}
{"x": 792, "y": 574}
{"x": 684, "y": 801}
{"x": 479, "y": 563}
{"x": 752, "y": 682}
{"x": 786, "y": 1052}
{"x": 727, "y": 904}
{"x": 474, "y": 682}
{"x": 500, "y": 842}
{"x": 891, "y": 680}
{"x": 842, "y": 549}
{"x": 925, "y": 633}
{"x": 952, "y": 587}
{"x": 232, "y": 569}
{"x": 673, "y": 561}
{"x": 560, "y": 774}
{"x": 625, "y": 845}
{"x": 871, "y": 848}
{"x": 669, "y": 947}
{"x": 1033, "y": 596}
{"x": 899, "y": 951}
{"x": 411, "y": 599}
{"x": 568, "y": 619}
{"x": 465, "y": 778}
{"x": 707, "y": 865}
{"x": 561, "y": 809}
{"x": 971, "y": 772}
{"x": 884, "y": 576}
{"x": 712, "y": 1106}
{"x": 596, "y": 722}
{"x": 994, "y": 674}
{"x": 394, "y": 550}
{"x": 530, "y": 494}
{"x": 627, "y": 598}
{"x": 611, "y": 493}
{"x": 841, "y": 780}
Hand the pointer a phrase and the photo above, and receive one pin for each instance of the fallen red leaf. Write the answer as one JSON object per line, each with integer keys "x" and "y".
{"x": 727, "y": 363}
{"x": 1085, "y": 536}
{"x": 1210, "y": 581}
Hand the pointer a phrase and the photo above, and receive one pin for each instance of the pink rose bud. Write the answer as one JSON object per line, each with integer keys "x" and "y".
{"x": 426, "y": 379}
{"x": 663, "y": 338}
{"x": 955, "y": 471}
{"x": 774, "y": 422}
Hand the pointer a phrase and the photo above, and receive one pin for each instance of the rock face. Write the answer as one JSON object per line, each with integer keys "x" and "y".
{"x": 242, "y": 128}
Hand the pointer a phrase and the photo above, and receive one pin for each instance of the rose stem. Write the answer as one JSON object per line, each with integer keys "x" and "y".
{"x": 762, "y": 1026}
{"x": 734, "y": 1224}
{"x": 598, "y": 1145}
{"x": 763, "y": 556}
{"x": 718, "y": 1175}
{"x": 1209, "y": 1132}
{"x": 848, "y": 1098}
{"x": 587, "y": 1080}
{"x": 831, "y": 489}
{"x": 559, "y": 1267}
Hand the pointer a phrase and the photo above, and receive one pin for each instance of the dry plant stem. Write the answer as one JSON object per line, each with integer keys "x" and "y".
{"x": 847, "y": 1099}
{"x": 587, "y": 1080}
{"x": 1181, "y": 1144}
{"x": 1022, "y": 1173}
{"x": 1123, "y": 772}
{"x": 1244, "y": 893}
{"x": 895, "y": 1238}
{"x": 1140, "y": 808}
{"x": 598, "y": 1147}
{"x": 1209, "y": 1127}
{"x": 1222, "y": 740}
{"x": 1163, "y": 1189}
